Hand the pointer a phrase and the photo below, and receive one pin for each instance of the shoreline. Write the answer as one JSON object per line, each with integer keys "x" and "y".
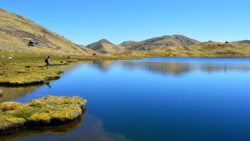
{"x": 26, "y": 69}
{"x": 33, "y": 73}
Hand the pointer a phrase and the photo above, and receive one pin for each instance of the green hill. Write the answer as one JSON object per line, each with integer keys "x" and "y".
{"x": 16, "y": 32}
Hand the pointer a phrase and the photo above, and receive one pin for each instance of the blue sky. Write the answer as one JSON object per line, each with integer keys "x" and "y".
{"x": 86, "y": 21}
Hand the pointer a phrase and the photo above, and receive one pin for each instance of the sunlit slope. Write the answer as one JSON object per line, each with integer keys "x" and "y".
{"x": 105, "y": 46}
{"x": 16, "y": 31}
{"x": 206, "y": 49}
{"x": 159, "y": 43}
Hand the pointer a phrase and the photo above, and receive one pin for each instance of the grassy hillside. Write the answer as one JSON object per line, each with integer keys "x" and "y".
{"x": 105, "y": 46}
{"x": 16, "y": 31}
{"x": 159, "y": 43}
{"x": 206, "y": 49}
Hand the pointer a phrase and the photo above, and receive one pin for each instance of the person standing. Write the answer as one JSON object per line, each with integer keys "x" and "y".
{"x": 47, "y": 61}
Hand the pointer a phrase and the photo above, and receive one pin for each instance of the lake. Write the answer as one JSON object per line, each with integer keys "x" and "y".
{"x": 160, "y": 99}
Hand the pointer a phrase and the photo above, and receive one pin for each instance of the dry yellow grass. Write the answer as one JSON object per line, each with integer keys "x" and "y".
{"x": 16, "y": 31}
{"x": 207, "y": 49}
{"x": 29, "y": 68}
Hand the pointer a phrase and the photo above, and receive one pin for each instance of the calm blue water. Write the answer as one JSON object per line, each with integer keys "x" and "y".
{"x": 163, "y": 99}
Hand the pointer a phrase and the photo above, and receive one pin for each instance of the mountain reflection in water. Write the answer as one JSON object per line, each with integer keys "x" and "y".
{"x": 165, "y": 68}
{"x": 173, "y": 68}
{"x": 10, "y": 93}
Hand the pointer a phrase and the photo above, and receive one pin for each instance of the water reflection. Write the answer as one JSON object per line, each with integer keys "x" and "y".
{"x": 193, "y": 99}
{"x": 224, "y": 67}
{"x": 160, "y": 67}
{"x": 10, "y": 93}
{"x": 87, "y": 128}
{"x": 102, "y": 65}
{"x": 167, "y": 67}
{"x": 38, "y": 130}
{"x": 48, "y": 84}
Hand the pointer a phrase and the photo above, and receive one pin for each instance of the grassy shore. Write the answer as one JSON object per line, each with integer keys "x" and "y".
{"x": 29, "y": 68}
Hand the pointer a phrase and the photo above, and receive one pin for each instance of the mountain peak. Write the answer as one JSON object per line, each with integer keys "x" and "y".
{"x": 104, "y": 46}
{"x": 104, "y": 41}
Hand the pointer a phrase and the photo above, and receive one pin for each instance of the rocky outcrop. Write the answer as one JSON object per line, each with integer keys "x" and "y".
{"x": 47, "y": 110}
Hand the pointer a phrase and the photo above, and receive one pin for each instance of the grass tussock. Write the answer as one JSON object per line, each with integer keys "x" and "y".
{"x": 40, "y": 111}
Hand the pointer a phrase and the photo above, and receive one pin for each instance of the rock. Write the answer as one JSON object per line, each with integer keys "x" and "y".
{"x": 47, "y": 110}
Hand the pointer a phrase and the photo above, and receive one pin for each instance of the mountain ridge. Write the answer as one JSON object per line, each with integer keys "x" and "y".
{"x": 243, "y": 42}
{"x": 20, "y": 33}
{"x": 160, "y": 42}
{"x": 105, "y": 46}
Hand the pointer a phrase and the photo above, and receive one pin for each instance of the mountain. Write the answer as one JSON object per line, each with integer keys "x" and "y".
{"x": 243, "y": 42}
{"x": 20, "y": 33}
{"x": 159, "y": 42}
{"x": 105, "y": 46}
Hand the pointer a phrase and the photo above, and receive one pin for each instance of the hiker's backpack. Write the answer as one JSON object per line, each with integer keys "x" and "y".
{"x": 46, "y": 60}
